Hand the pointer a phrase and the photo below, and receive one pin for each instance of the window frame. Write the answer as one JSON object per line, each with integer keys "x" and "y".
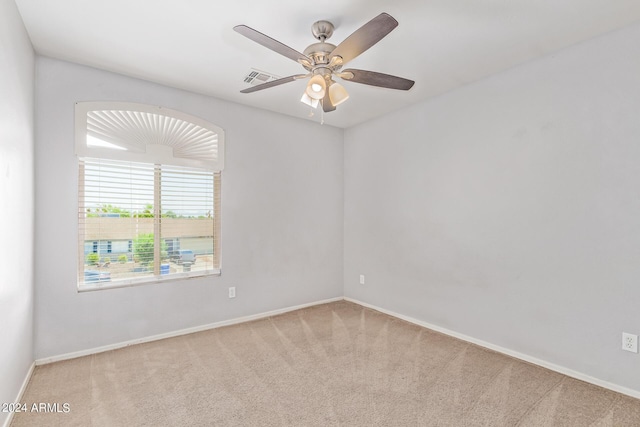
{"x": 150, "y": 155}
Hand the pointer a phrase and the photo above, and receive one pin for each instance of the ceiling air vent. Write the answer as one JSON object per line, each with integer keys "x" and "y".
{"x": 257, "y": 77}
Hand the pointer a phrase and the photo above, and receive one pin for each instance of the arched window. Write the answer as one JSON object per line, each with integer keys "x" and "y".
{"x": 148, "y": 194}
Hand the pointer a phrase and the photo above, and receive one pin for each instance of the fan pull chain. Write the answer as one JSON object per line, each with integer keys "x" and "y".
{"x": 322, "y": 112}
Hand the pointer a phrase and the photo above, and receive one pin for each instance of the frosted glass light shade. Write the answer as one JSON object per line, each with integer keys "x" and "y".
{"x": 313, "y": 103}
{"x": 337, "y": 94}
{"x": 316, "y": 88}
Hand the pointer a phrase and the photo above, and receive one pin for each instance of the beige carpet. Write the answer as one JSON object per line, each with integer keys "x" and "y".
{"x": 334, "y": 364}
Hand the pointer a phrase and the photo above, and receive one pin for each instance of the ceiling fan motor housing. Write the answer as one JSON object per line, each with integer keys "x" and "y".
{"x": 319, "y": 53}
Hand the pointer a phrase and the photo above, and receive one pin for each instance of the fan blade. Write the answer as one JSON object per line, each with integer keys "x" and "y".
{"x": 270, "y": 43}
{"x": 377, "y": 79}
{"x": 365, "y": 37}
{"x": 273, "y": 83}
{"x": 326, "y": 103}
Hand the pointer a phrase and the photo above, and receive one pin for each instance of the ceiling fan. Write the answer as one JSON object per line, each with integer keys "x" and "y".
{"x": 324, "y": 61}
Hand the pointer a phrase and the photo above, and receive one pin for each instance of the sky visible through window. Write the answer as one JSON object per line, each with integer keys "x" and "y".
{"x": 127, "y": 189}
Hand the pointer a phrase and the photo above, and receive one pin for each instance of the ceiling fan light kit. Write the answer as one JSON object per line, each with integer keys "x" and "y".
{"x": 324, "y": 61}
{"x": 337, "y": 94}
{"x": 306, "y": 99}
{"x": 316, "y": 88}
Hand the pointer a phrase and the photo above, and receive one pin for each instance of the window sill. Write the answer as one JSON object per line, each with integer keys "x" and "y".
{"x": 127, "y": 283}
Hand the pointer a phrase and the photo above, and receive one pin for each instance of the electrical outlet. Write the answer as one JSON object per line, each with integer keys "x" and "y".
{"x": 232, "y": 292}
{"x": 362, "y": 279}
{"x": 630, "y": 342}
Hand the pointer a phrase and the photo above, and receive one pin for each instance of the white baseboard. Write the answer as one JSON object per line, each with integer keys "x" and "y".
{"x": 186, "y": 331}
{"x": 7, "y": 422}
{"x": 543, "y": 363}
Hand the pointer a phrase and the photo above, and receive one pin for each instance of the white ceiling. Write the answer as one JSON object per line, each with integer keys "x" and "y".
{"x": 190, "y": 44}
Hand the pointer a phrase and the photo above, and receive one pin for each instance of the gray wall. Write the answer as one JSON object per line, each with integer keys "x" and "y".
{"x": 16, "y": 202}
{"x": 506, "y": 210}
{"x": 509, "y": 210}
{"x": 281, "y": 217}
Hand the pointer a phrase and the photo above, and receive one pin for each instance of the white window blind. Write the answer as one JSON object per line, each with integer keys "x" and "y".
{"x": 148, "y": 195}
{"x": 140, "y": 222}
